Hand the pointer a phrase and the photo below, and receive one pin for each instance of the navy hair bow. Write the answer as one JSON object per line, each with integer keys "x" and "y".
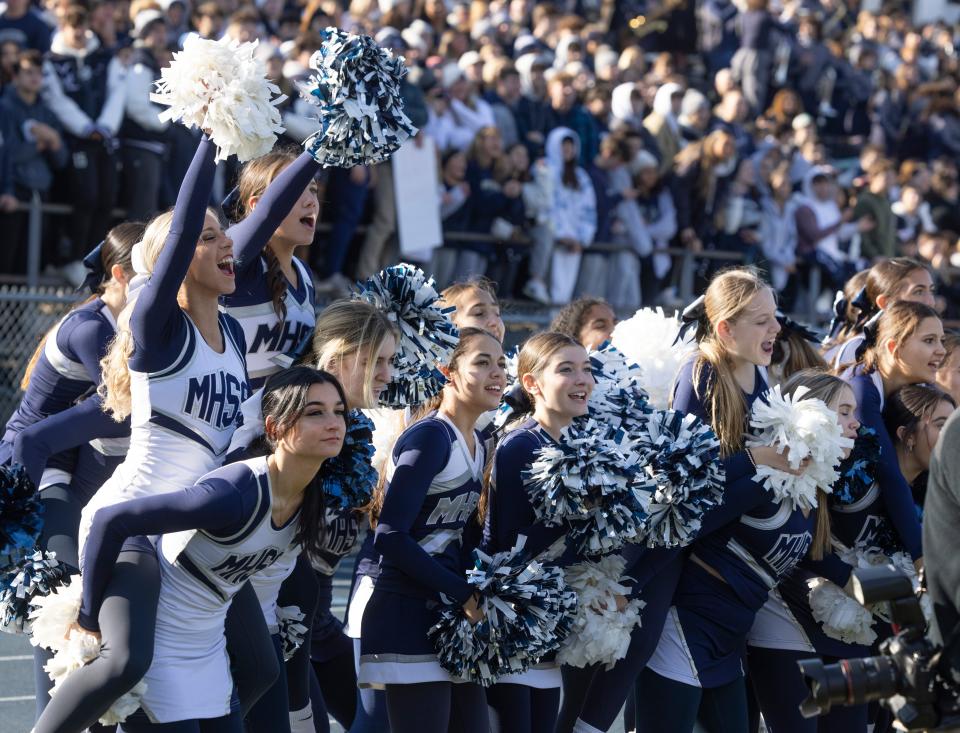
{"x": 870, "y": 330}
{"x": 231, "y": 204}
{"x": 788, "y": 324}
{"x": 95, "y": 272}
{"x": 693, "y": 316}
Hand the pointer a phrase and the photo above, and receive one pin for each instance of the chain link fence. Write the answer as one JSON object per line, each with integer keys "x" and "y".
{"x": 26, "y": 314}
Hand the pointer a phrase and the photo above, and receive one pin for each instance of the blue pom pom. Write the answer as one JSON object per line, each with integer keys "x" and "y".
{"x": 36, "y": 576}
{"x": 348, "y": 479}
{"x": 860, "y": 470}
{"x": 427, "y": 335}
{"x": 588, "y": 482}
{"x": 20, "y": 515}
{"x": 680, "y": 457}
{"x": 618, "y": 399}
{"x": 528, "y": 612}
{"x": 357, "y": 91}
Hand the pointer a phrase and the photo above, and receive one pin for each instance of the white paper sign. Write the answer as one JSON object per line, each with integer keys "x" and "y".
{"x": 415, "y": 185}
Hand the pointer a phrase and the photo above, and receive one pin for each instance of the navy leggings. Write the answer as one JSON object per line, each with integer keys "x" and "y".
{"x": 524, "y": 709}
{"x": 139, "y": 723}
{"x": 271, "y": 713}
{"x": 333, "y": 691}
{"x": 668, "y": 706}
{"x": 371, "y": 716}
{"x": 437, "y": 707}
{"x": 780, "y": 689}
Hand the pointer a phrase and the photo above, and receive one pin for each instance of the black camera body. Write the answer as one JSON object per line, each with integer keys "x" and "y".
{"x": 905, "y": 675}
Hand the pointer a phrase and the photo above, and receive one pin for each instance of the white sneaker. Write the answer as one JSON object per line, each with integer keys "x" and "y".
{"x": 536, "y": 290}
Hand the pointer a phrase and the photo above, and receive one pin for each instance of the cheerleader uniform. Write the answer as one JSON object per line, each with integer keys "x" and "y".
{"x": 698, "y": 663}
{"x": 786, "y": 632}
{"x": 895, "y": 495}
{"x": 528, "y": 701}
{"x": 185, "y": 401}
{"x": 433, "y": 486}
{"x": 593, "y": 698}
{"x": 216, "y": 535}
{"x": 268, "y": 336}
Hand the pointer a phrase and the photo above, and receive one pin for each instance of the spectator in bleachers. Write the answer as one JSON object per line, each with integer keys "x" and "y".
{"x": 824, "y": 230}
{"x": 347, "y": 191}
{"x": 10, "y": 49}
{"x": 533, "y": 112}
{"x": 142, "y": 133}
{"x": 944, "y": 196}
{"x": 778, "y": 233}
{"x": 912, "y": 216}
{"x": 35, "y": 149}
{"x": 663, "y": 125}
{"x": 85, "y": 86}
{"x": 574, "y": 214}
{"x": 504, "y": 101}
{"x": 103, "y": 23}
{"x": 730, "y": 116}
{"x": 244, "y": 25}
{"x": 697, "y": 183}
{"x": 873, "y": 203}
{"x": 25, "y": 25}
{"x": 694, "y": 117}
{"x": 208, "y": 20}
{"x": 566, "y": 111}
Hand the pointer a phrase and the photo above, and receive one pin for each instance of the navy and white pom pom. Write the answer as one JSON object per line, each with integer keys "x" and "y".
{"x": 681, "y": 458}
{"x": 618, "y": 399}
{"x": 349, "y": 478}
{"x": 528, "y": 611}
{"x": 21, "y": 516}
{"x": 859, "y": 470}
{"x": 35, "y": 577}
{"x": 588, "y": 482}
{"x": 427, "y": 335}
{"x": 356, "y": 87}
{"x": 292, "y": 630}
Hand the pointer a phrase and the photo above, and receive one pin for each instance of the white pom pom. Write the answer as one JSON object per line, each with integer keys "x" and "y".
{"x": 841, "y": 616}
{"x": 600, "y": 633}
{"x": 647, "y": 338}
{"x": 53, "y": 615}
{"x": 221, "y": 86}
{"x": 292, "y": 631}
{"x": 388, "y": 424}
{"x": 809, "y": 429}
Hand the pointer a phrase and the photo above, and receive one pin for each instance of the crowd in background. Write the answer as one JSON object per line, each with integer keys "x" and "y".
{"x": 577, "y": 140}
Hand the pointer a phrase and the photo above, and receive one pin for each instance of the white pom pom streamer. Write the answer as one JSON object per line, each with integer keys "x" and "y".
{"x": 357, "y": 91}
{"x": 51, "y": 619}
{"x": 647, "y": 339}
{"x": 292, "y": 631}
{"x": 387, "y": 426}
{"x": 221, "y": 86}
{"x": 601, "y": 633}
{"x": 840, "y": 616}
{"x": 809, "y": 429}
{"x": 869, "y": 557}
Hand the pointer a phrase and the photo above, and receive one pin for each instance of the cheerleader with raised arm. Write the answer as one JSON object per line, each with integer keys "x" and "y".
{"x": 433, "y": 485}
{"x": 555, "y": 374}
{"x": 177, "y": 369}
{"x": 902, "y": 345}
{"x": 736, "y": 327}
{"x": 232, "y": 525}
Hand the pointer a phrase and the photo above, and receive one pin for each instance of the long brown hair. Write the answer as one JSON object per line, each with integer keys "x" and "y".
{"x": 254, "y": 179}
{"x": 886, "y": 279}
{"x": 910, "y": 405}
{"x": 115, "y": 250}
{"x": 727, "y": 297}
{"x": 823, "y": 386}
{"x": 898, "y": 323}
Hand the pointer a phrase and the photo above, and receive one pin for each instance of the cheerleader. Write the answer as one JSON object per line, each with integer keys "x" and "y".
{"x": 914, "y": 416}
{"x": 433, "y": 485}
{"x": 589, "y": 321}
{"x": 725, "y": 581}
{"x": 887, "y": 282}
{"x": 274, "y": 301}
{"x": 356, "y": 343}
{"x": 232, "y": 525}
{"x": 475, "y": 306}
{"x": 736, "y": 326}
{"x": 556, "y": 377}
{"x": 177, "y": 369}
{"x": 902, "y": 345}
{"x": 948, "y": 375}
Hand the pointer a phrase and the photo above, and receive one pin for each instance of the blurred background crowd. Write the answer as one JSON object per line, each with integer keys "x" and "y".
{"x": 582, "y": 145}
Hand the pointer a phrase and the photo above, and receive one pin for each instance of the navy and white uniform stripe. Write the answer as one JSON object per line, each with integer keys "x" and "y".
{"x": 433, "y": 487}
{"x": 216, "y": 536}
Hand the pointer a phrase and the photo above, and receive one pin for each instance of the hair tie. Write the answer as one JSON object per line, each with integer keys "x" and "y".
{"x": 839, "y": 314}
{"x": 693, "y": 316}
{"x": 788, "y": 324}
{"x": 95, "y": 272}
{"x": 231, "y": 204}
{"x": 870, "y": 330}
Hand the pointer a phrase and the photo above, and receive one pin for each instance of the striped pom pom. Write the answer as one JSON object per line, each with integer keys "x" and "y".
{"x": 21, "y": 516}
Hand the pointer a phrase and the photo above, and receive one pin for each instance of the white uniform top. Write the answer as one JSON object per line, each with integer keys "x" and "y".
{"x": 182, "y": 419}
{"x": 189, "y": 677}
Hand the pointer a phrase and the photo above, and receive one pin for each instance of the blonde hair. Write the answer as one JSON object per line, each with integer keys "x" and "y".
{"x": 823, "y": 386}
{"x": 346, "y": 327}
{"x": 726, "y": 299}
{"x": 115, "y": 385}
{"x": 536, "y": 354}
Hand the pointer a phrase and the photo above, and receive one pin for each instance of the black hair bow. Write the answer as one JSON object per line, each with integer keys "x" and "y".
{"x": 95, "y": 272}
{"x": 788, "y": 324}
{"x": 870, "y": 330}
{"x": 693, "y": 316}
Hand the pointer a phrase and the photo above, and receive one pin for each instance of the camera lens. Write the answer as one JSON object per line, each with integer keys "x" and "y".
{"x": 848, "y": 682}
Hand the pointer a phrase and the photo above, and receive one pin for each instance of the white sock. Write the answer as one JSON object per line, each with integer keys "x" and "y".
{"x": 301, "y": 721}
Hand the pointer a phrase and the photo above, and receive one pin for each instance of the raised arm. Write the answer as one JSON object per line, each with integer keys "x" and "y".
{"x": 214, "y": 505}
{"x": 156, "y": 317}
{"x": 251, "y": 235}
{"x": 421, "y": 455}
